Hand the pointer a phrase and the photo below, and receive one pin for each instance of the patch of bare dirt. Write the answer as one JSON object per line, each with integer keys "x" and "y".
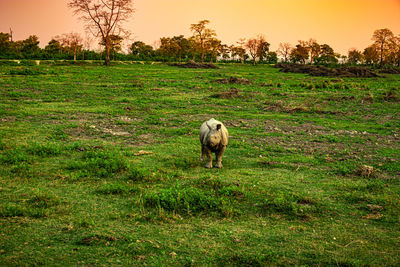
{"x": 390, "y": 71}
{"x": 391, "y": 95}
{"x": 194, "y": 65}
{"x": 279, "y": 106}
{"x": 231, "y": 93}
{"x": 328, "y": 72}
{"x": 234, "y": 80}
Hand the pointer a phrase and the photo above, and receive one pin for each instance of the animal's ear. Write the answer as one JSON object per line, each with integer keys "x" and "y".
{"x": 218, "y": 127}
{"x": 209, "y": 127}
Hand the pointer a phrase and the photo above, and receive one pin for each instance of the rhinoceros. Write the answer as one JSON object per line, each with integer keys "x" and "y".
{"x": 213, "y": 138}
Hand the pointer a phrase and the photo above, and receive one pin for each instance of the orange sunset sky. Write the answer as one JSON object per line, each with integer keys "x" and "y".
{"x": 342, "y": 24}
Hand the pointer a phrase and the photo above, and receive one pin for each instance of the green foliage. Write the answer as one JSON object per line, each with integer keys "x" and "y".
{"x": 310, "y": 168}
{"x": 36, "y": 207}
{"x": 138, "y": 174}
{"x": 14, "y": 156}
{"x": 184, "y": 200}
{"x": 247, "y": 259}
{"x": 26, "y": 71}
{"x": 115, "y": 189}
{"x": 291, "y": 204}
{"x": 98, "y": 163}
{"x": 44, "y": 149}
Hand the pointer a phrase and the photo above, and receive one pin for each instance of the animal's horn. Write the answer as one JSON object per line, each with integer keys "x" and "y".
{"x": 209, "y": 127}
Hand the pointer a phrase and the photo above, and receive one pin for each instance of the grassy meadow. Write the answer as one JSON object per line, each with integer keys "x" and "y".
{"x": 99, "y": 166}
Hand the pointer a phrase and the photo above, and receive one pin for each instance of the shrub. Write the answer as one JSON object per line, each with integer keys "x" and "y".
{"x": 290, "y": 204}
{"x": 26, "y": 71}
{"x": 36, "y": 207}
{"x": 43, "y": 150}
{"x": 138, "y": 173}
{"x": 11, "y": 210}
{"x": 184, "y": 200}
{"x": 99, "y": 164}
{"x": 114, "y": 189}
{"x": 14, "y": 156}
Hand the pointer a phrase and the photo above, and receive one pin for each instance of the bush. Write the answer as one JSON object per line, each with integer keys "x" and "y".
{"x": 43, "y": 150}
{"x": 290, "y": 204}
{"x": 14, "y": 156}
{"x": 138, "y": 174}
{"x": 99, "y": 164}
{"x": 114, "y": 189}
{"x": 184, "y": 200}
{"x": 26, "y": 71}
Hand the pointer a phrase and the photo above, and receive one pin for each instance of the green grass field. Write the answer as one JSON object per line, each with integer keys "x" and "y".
{"x": 76, "y": 187}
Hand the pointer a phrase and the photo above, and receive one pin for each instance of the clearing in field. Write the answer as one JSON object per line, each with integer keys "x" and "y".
{"x": 100, "y": 166}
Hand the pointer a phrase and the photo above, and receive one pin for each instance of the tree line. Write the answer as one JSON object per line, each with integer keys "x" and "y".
{"x": 203, "y": 46}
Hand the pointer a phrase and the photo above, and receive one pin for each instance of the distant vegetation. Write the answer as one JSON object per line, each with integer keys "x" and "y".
{"x": 203, "y": 46}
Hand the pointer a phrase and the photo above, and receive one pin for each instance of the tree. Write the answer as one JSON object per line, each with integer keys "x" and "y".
{"x": 326, "y": 55}
{"x": 168, "y": 47}
{"x": 141, "y": 50}
{"x": 371, "y": 54}
{"x": 116, "y": 44}
{"x": 224, "y": 51}
{"x": 394, "y": 50}
{"x": 202, "y": 36}
{"x": 272, "y": 57}
{"x": 381, "y": 38}
{"x": 262, "y": 47}
{"x": 300, "y": 53}
{"x": 182, "y": 46}
{"x": 53, "y": 48}
{"x": 284, "y": 51}
{"x": 214, "y": 48}
{"x": 354, "y": 56}
{"x": 5, "y": 44}
{"x": 103, "y": 18}
{"x": 240, "y": 49}
{"x": 71, "y": 42}
{"x": 258, "y": 48}
{"x": 314, "y": 49}
{"x": 251, "y": 46}
{"x": 29, "y": 47}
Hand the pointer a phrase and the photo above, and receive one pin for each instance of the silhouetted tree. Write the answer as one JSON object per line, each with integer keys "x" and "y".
{"x": 214, "y": 47}
{"x": 382, "y": 38}
{"x": 141, "y": 50}
{"x": 5, "y": 45}
{"x": 326, "y": 55}
{"x": 314, "y": 49}
{"x": 103, "y": 18}
{"x": 71, "y": 42}
{"x": 257, "y": 48}
{"x": 354, "y": 56}
{"x": 272, "y": 57}
{"x": 224, "y": 51}
{"x": 168, "y": 47}
{"x": 53, "y": 49}
{"x": 182, "y": 46}
{"x": 284, "y": 51}
{"x": 29, "y": 48}
{"x": 202, "y": 36}
{"x": 300, "y": 53}
{"x": 371, "y": 55}
{"x": 263, "y": 47}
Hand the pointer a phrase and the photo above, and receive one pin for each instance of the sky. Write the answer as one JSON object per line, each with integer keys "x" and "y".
{"x": 343, "y": 24}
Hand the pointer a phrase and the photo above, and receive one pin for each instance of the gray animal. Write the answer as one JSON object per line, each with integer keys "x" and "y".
{"x": 213, "y": 138}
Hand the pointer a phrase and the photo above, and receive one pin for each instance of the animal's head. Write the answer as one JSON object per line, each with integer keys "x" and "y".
{"x": 214, "y": 137}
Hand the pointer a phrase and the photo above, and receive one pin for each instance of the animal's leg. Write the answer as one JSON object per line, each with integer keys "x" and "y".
{"x": 219, "y": 157}
{"x": 209, "y": 158}
{"x": 203, "y": 153}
